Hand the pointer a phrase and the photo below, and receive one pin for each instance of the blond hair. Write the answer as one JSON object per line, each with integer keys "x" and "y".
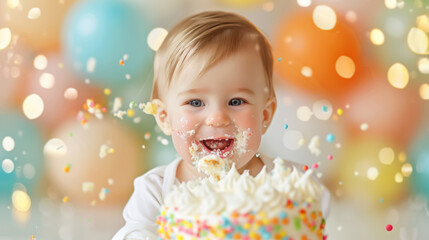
{"x": 223, "y": 31}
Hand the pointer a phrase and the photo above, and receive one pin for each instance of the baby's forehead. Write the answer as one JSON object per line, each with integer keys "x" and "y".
{"x": 200, "y": 63}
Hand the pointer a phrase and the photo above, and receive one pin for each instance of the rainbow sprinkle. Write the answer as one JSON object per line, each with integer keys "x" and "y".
{"x": 294, "y": 218}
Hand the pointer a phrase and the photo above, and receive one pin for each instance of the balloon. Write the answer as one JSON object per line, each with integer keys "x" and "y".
{"x": 242, "y": 3}
{"x": 62, "y": 93}
{"x": 20, "y": 153}
{"x": 36, "y": 22}
{"x": 324, "y": 62}
{"x": 105, "y": 41}
{"x": 100, "y": 158}
{"x": 419, "y": 157}
{"x": 387, "y": 111}
{"x": 15, "y": 59}
{"x": 369, "y": 170}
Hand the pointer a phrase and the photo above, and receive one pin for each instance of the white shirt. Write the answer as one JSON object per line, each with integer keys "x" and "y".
{"x": 150, "y": 190}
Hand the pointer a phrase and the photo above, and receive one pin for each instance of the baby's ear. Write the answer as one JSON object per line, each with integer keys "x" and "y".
{"x": 161, "y": 116}
{"x": 269, "y": 110}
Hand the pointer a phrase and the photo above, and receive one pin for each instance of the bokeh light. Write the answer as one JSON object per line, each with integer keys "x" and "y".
{"x": 372, "y": 173}
{"x": 377, "y": 36}
{"x": 13, "y": 3}
{"x": 304, "y": 113}
{"x": 322, "y": 109}
{"x": 423, "y": 23}
{"x": 33, "y": 106}
{"x": 398, "y": 76}
{"x": 306, "y": 71}
{"x": 70, "y": 94}
{"x": 156, "y": 37}
{"x": 424, "y": 91}
{"x": 47, "y": 80}
{"x": 34, "y": 13}
{"x": 8, "y": 143}
{"x": 40, "y": 62}
{"x": 324, "y": 17}
{"x": 386, "y": 155}
{"x": 293, "y": 139}
{"x": 21, "y": 201}
{"x": 345, "y": 67}
{"x": 5, "y": 37}
{"x": 423, "y": 65}
{"x": 7, "y": 165}
{"x": 406, "y": 169}
{"x": 303, "y": 3}
{"x": 418, "y": 41}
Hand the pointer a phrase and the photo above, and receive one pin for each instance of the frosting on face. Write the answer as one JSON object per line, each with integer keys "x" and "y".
{"x": 267, "y": 192}
{"x": 217, "y": 163}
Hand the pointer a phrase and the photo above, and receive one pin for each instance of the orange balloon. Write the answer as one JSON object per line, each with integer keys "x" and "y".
{"x": 38, "y": 23}
{"x": 307, "y": 56}
{"x": 83, "y": 161}
{"x": 378, "y": 109}
{"x": 56, "y": 85}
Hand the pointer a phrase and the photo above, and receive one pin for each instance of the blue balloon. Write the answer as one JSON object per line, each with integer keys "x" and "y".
{"x": 419, "y": 158}
{"x": 22, "y": 158}
{"x": 97, "y": 36}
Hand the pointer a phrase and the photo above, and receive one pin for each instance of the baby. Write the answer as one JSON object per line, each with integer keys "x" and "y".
{"x": 213, "y": 93}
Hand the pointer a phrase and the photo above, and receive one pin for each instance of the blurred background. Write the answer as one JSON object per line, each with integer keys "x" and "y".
{"x": 351, "y": 79}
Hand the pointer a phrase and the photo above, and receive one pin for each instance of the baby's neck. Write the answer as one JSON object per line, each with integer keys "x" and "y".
{"x": 254, "y": 166}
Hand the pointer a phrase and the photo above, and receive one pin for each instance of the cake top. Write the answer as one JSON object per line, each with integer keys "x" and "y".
{"x": 267, "y": 192}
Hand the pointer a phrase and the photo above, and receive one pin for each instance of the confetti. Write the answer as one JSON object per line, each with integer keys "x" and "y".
{"x": 107, "y": 91}
{"x": 305, "y": 167}
{"x": 330, "y": 137}
{"x": 87, "y": 187}
{"x": 315, "y": 165}
{"x": 389, "y": 227}
{"x": 325, "y": 108}
{"x": 65, "y": 199}
{"x": 110, "y": 181}
{"x": 104, "y": 150}
{"x": 148, "y": 108}
{"x": 121, "y": 62}
{"x": 314, "y": 145}
{"x": 67, "y": 168}
{"x": 330, "y": 157}
{"x": 286, "y": 126}
{"x": 278, "y": 60}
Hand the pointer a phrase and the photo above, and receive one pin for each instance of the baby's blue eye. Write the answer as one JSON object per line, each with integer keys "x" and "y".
{"x": 236, "y": 102}
{"x": 196, "y": 103}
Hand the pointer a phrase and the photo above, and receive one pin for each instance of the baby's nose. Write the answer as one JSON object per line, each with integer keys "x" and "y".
{"x": 218, "y": 119}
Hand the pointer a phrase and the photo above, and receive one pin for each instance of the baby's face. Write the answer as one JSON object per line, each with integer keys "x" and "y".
{"x": 220, "y": 112}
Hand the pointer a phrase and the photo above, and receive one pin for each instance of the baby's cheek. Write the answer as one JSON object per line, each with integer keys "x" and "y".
{"x": 249, "y": 122}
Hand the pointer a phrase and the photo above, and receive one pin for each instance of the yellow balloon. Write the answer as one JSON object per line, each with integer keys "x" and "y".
{"x": 38, "y": 23}
{"x": 95, "y": 163}
{"x": 365, "y": 174}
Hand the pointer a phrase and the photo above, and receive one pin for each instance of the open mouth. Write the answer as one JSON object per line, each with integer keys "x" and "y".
{"x": 218, "y": 145}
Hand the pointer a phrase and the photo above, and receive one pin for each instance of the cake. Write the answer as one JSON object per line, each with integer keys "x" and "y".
{"x": 283, "y": 204}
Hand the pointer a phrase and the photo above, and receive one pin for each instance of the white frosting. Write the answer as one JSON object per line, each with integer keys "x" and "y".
{"x": 244, "y": 193}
